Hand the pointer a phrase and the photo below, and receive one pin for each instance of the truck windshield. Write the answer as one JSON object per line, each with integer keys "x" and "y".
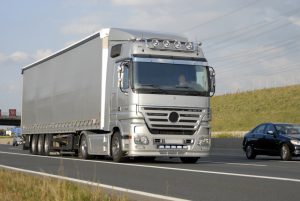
{"x": 169, "y": 78}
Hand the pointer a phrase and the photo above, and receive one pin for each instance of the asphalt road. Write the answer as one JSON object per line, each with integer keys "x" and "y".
{"x": 225, "y": 175}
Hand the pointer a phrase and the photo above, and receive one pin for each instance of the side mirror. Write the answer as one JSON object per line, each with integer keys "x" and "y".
{"x": 212, "y": 76}
{"x": 271, "y": 133}
{"x": 123, "y": 82}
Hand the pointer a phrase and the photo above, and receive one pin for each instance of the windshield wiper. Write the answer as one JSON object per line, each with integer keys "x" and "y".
{"x": 152, "y": 86}
{"x": 184, "y": 87}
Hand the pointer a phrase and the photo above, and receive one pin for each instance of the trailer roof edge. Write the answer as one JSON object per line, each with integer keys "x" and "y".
{"x": 70, "y": 47}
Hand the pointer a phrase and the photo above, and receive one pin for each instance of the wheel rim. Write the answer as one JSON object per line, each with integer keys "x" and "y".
{"x": 83, "y": 147}
{"x": 284, "y": 152}
{"x": 40, "y": 145}
{"x": 249, "y": 151}
{"x": 33, "y": 144}
{"x": 47, "y": 144}
{"x": 115, "y": 146}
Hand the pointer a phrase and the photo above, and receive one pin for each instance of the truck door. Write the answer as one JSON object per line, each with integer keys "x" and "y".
{"x": 123, "y": 90}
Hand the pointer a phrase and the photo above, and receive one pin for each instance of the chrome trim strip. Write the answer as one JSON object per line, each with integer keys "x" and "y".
{"x": 170, "y": 61}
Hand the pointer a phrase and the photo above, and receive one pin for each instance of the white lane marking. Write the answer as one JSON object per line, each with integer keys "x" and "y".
{"x": 14, "y": 148}
{"x": 288, "y": 161}
{"x": 167, "y": 168}
{"x": 125, "y": 190}
{"x": 242, "y": 164}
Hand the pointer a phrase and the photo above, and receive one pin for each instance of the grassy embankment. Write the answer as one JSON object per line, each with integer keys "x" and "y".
{"x": 23, "y": 187}
{"x": 5, "y": 139}
{"x": 243, "y": 111}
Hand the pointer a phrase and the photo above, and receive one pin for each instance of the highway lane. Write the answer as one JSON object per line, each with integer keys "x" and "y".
{"x": 225, "y": 175}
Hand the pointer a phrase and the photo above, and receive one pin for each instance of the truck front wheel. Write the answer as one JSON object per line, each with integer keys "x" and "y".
{"x": 83, "y": 148}
{"x": 116, "y": 148}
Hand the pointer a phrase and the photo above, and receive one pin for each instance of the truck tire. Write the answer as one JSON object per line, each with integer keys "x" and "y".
{"x": 117, "y": 152}
{"x": 33, "y": 145}
{"x": 189, "y": 159}
{"x": 83, "y": 149}
{"x": 285, "y": 153}
{"x": 40, "y": 146}
{"x": 48, "y": 144}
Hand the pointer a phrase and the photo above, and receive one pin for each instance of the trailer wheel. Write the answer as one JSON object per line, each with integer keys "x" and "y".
{"x": 83, "y": 149}
{"x": 40, "y": 146}
{"x": 189, "y": 159}
{"x": 48, "y": 144}
{"x": 116, "y": 148}
{"x": 33, "y": 146}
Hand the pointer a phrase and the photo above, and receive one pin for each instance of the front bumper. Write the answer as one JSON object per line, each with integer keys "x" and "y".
{"x": 196, "y": 145}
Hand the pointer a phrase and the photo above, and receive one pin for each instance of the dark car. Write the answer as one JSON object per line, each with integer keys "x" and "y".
{"x": 274, "y": 139}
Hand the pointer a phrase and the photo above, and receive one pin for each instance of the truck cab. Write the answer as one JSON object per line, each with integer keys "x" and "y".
{"x": 160, "y": 96}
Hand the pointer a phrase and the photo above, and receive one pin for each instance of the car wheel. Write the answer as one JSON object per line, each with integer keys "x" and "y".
{"x": 189, "y": 159}
{"x": 116, "y": 148}
{"x": 285, "y": 153}
{"x": 250, "y": 153}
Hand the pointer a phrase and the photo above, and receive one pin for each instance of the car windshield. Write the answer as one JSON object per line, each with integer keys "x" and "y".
{"x": 288, "y": 129}
{"x": 170, "y": 78}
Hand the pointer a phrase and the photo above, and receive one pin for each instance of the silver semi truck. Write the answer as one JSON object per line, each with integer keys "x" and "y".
{"x": 120, "y": 93}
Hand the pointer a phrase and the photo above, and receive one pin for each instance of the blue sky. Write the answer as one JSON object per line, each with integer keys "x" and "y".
{"x": 252, "y": 44}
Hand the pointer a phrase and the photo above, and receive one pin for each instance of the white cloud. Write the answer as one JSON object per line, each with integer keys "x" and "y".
{"x": 140, "y": 2}
{"x": 2, "y": 57}
{"x": 16, "y": 57}
{"x": 23, "y": 57}
{"x": 84, "y": 25}
{"x": 40, "y": 54}
{"x": 295, "y": 20}
{"x": 19, "y": 56}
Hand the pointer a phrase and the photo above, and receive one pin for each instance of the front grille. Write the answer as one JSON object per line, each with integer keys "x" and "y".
{"x": 176, "y": 121}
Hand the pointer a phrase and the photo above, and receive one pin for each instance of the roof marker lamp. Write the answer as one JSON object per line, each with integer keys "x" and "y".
{"x": 166, "y": 43}
{"x": 155, "y": 43}
{"x": 189, "y": 45}
{"x": 177, "y": 44}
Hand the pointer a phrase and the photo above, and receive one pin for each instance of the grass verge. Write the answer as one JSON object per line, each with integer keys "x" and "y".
{"x": 20, "y": 186}
{"x": 243, "y": 111}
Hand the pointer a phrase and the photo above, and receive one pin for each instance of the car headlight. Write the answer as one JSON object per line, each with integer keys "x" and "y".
{"x": 295, "y": 142}
{"x": 141, "y": 139}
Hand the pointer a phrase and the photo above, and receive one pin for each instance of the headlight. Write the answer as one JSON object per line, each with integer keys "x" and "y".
{"x": 141, "y": 139}
{"x": 295, "y": 142}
